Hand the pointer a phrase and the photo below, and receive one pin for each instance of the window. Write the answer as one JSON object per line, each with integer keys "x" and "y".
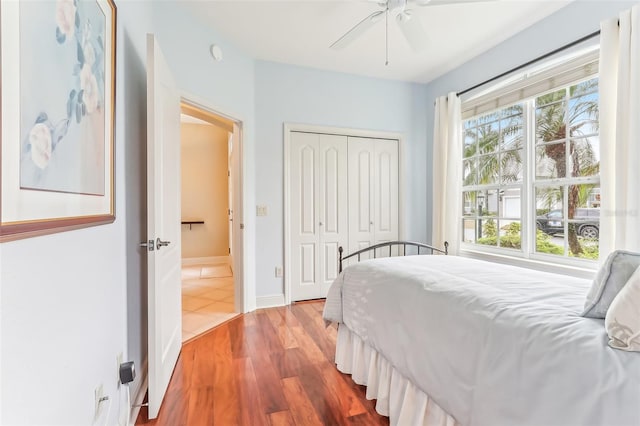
{"x": 531, "y": 175}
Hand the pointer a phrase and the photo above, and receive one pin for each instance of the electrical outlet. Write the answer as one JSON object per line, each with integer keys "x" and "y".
{"x": 99, "y": 394}
{"x": 278, "y": 271}
{"x": 261, "y": 210}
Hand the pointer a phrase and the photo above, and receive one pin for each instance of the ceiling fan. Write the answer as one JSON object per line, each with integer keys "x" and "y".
{"x": 409, "y": 23}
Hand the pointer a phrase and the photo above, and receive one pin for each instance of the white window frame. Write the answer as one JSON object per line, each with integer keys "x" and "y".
{"x": 524, "y": 89}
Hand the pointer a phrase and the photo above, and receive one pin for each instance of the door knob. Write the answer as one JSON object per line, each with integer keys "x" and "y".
{"x": 160, "y": 243}
{"x": 320, "y": 224}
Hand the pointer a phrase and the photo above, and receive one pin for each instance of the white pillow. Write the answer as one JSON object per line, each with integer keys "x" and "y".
{"x": 622, "y": 321}
{"x": 609, "y": 280}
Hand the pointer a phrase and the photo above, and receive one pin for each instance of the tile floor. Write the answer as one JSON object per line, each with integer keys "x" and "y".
{"x": 207, "y": 298}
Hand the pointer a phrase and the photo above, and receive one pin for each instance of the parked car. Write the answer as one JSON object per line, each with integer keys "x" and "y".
{"x": 587, "y": 221}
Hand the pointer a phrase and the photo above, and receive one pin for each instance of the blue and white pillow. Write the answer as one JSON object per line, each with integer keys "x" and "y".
{"x": 610, "y": 279}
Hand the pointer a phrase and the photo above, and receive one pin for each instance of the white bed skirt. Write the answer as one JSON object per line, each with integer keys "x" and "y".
{"x": 397, "y": 398}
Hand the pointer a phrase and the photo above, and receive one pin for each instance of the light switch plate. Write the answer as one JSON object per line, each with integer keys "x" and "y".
{"x": 261, "y": 210}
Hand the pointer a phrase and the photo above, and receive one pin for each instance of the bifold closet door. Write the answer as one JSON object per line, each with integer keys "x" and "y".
{"x": 318, "y": 183}
{"x": 373, "y": 192}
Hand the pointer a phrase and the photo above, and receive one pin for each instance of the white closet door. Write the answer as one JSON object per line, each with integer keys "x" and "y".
{"x": 318, "y": 211}
{"x": 333, "y": 206}
{"x": 373, "y": 193}
{"x": 361, "y": 193}
{"x": 385, "y": 174}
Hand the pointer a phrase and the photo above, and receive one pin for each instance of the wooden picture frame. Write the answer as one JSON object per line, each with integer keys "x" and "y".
{"x": 57, "y": 116}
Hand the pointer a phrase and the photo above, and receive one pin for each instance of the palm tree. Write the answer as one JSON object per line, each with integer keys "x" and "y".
{"x": 552, "y": 119}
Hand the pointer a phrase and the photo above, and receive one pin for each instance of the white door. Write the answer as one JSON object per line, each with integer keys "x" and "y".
{"x": 373, "y": 193}
{"x": 230, "y": 195}
{"x": 235, "y": 239}
{"x": 385, "y": 176}
{"x": 163, "y": 231}
{"x": 318, "y": 171}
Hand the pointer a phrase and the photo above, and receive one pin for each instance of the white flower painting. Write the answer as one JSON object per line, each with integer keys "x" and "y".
{"x": 62, "y": 96}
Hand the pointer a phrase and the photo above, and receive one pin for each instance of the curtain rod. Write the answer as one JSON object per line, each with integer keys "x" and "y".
{"x": 533, "y": 61}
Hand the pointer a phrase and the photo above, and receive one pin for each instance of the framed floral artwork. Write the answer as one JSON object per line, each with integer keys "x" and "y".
{"x": 57, "y": 116}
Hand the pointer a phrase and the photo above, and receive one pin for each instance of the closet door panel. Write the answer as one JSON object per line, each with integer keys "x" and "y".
{"x": 304, "y": 181}
{"x": 385, "y": 222}
{"x": 334, "y": 209}
{"x": 361, "y": 214}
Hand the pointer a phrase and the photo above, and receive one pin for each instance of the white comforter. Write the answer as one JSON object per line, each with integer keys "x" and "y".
{"x": 491, "y": 344}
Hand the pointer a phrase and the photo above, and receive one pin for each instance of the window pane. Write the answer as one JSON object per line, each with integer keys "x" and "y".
{"x": 585, "y": 157}
{"x": 489, "y": 232}
{"x": 510, "y": 234}
{"x": 550, "y": 123}
{"x": 468, "y": 124}
{"x": 488, "y": 203}
{"x": 550, "y": 98}
{"x": 551, "y": 161}
{"x": 589, "y": 86}
{"x": 469, "y": 203}
{"x": 469, "y": 230}
{"x": 488, "y": 118}
{"x": 549, "y": 220}
{"x": 470, "y": 147}
{"x": 511, "y": 137}
{"x": 584, "y": 221}
{"x": 488, "y": 169}
{"x": 510, "y": 203}
{"x": 470, "y": 172}
{"x": 513, "y": 110}
{"x": 488, "y": 137}
{"x": 511, "y": 166}
{"x": 583, "y": 115}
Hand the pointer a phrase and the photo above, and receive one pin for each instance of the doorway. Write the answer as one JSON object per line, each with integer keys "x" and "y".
{"x": 210, "y": 145}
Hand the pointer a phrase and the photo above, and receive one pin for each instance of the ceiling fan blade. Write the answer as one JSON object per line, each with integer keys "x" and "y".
{"x": 446, "y": 2}
{"x": 359, "y": 29}
{"x": 413, "y": 30}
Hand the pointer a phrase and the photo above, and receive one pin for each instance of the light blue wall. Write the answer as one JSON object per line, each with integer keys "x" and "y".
{"x": 68, "y": 299}
{"x": 291, "y": 94}
{"x": 72, "y": 302}
{"x": 570, "y": 23}
{"x": 226, "y": 86}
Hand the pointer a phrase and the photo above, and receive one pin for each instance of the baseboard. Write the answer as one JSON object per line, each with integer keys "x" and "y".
{"x": 140, "y": 392}
{"x": 200, "y": 260}
{"x": 270, "y": 301}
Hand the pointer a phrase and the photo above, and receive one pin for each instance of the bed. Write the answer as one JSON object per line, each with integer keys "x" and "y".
{"x": 447, "y": 340}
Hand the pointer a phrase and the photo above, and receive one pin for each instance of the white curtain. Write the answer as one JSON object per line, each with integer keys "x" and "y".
{"x": 447, "y": 173}
{"x": 620, "y": 133}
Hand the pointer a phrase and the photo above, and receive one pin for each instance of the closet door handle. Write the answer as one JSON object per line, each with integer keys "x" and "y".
{"x": 320, "y": 224}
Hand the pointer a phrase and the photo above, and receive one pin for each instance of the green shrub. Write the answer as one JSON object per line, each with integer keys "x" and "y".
{"x": 513, "y": 239}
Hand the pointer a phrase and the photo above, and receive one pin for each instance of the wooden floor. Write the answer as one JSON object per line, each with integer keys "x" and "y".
{"x": 270, "y": 367}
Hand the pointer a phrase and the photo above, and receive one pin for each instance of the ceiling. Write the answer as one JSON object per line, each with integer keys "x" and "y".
{"x": 300, "y": 32}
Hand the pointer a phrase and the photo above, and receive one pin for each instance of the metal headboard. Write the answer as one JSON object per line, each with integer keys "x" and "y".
{"x": 390, "y": 244}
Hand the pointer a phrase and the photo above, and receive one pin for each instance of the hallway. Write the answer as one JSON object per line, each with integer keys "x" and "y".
{"x": 207, "y": 298}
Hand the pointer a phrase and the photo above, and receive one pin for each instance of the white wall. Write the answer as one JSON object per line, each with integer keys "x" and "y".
{"x": 286, "y": 93}
{"x": 570, "y": 23}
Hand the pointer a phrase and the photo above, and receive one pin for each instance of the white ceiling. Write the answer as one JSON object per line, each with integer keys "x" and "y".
{"x": 300, "y": 33}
